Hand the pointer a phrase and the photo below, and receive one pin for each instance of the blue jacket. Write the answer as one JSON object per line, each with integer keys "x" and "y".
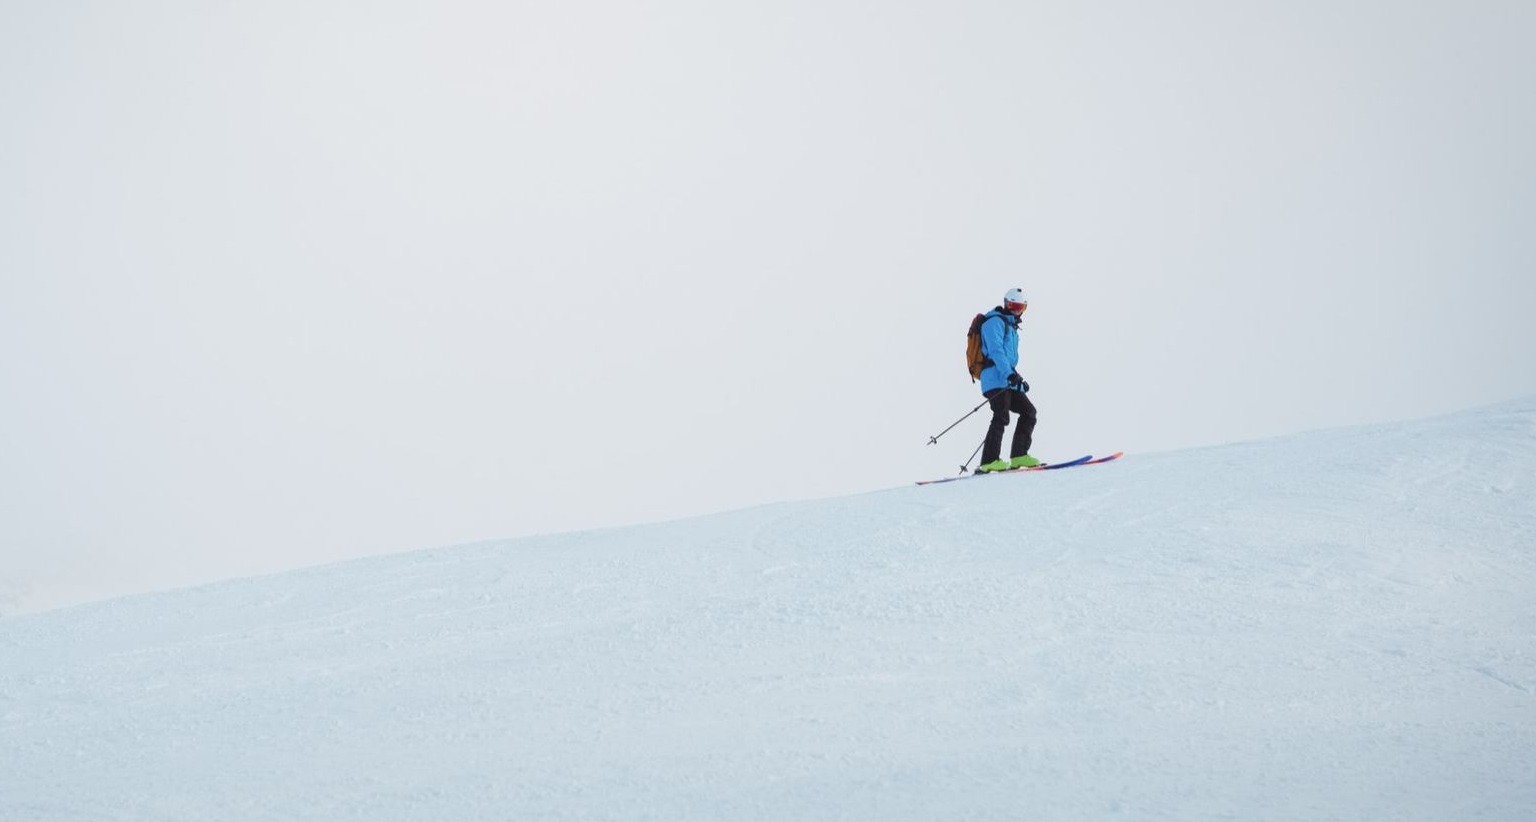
{"x": 1000, "y": 344}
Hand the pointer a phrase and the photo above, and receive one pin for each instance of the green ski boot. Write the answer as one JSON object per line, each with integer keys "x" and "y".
{"x": 992, "y": 467}
{"x": 1025, "y": 461}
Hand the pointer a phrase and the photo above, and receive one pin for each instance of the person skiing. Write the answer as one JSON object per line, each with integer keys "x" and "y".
{"x": 1005, "y": 390}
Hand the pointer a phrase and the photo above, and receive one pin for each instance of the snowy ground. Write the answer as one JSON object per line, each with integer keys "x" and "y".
{"x": 1334, "y": 625}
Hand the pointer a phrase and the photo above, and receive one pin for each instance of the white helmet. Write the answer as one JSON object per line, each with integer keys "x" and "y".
{"x": 1015, "y": 296}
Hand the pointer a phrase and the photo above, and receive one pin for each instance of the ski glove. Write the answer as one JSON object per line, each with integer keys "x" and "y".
{"x": 1018, "y": 382}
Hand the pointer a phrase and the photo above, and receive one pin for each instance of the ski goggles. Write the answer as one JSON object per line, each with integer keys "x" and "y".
{"x": 1017, "y": 308}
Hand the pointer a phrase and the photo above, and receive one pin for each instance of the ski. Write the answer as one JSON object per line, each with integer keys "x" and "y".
{"x": 1074, "y": 463}
{"x": 1052, "y": 466}
{"x": 1043, "y": 467}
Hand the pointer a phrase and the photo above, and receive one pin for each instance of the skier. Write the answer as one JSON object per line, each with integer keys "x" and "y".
{"x": 1005, "y": 390}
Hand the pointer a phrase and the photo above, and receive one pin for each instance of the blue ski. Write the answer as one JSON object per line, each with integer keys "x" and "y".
{"x": 1044, "y": 467}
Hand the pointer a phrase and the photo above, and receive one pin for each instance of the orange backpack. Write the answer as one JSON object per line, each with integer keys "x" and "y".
{"x": 975, "y": 360}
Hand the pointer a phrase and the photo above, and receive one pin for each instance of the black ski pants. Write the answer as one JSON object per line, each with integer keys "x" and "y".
{"x": 1005, "y": 401}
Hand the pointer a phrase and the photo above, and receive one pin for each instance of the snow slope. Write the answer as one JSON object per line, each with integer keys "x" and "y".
{"x": 1334, "y": 625}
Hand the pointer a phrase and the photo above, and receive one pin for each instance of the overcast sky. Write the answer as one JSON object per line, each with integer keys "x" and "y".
{"x": 288, "y": 282}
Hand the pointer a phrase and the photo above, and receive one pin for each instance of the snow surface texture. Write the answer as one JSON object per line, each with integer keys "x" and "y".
{"x": 1334, "y": 625}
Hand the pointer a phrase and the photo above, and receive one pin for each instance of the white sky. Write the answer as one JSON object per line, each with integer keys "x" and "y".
{"x": 282, "y": 283}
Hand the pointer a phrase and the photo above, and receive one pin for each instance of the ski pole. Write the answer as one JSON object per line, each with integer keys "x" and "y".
{"x": 967, "y": 466}
{"x": 935, "y": 438}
